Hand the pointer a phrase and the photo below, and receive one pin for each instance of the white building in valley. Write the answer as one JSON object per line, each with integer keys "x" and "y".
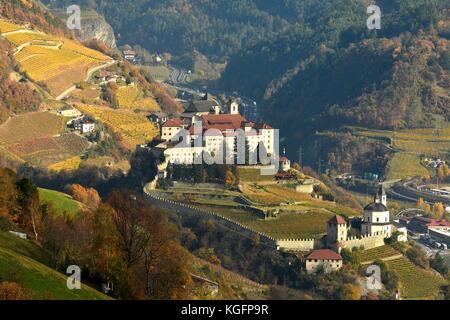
{"x": 224, "y": 138}
{"x": 377, "y": 216}
{"x": 84, "y": 125}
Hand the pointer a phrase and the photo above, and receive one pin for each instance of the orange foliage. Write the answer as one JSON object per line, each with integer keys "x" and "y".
{"x": 12, "y": 291}
{"x": 87, "y": 196}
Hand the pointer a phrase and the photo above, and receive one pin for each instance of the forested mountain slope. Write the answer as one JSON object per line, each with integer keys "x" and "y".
{"x": 333, "y": 71}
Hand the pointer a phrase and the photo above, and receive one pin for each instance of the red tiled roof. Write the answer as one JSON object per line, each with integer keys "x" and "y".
{"x": 429, "y": 222}
{"x": 173, "y": 123}
{"x": 337, "y": 219}
{"x": 324, "y": 254}
{"x": 284, "y": 159}
{"x": 222, "y": 122}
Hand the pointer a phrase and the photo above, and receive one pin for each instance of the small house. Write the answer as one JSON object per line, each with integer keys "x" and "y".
{"x": 129, "y": 55}
{"x": 323, "y": 259}
{"x": 84, "y": 125}
{"x": 285, "y": 164}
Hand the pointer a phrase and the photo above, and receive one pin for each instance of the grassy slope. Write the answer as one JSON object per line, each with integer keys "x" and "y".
{"x": 26, "y": 263}
{"x": 61, "y": 201}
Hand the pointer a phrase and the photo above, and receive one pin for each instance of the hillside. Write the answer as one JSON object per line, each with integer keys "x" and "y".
{"x": 15, "y": 97}
{"x": 396, "y": 78}
{"x": 174, "y": 26}
{"x": 57, "y": 63}
{"x": 23, "y": 262}
{"x": 415, "y": 282}
{"x": 63, "y": 203}
{"x": 39, "y": 138}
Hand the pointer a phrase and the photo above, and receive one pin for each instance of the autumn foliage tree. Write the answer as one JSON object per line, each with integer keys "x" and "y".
{"x": 19, "y": 202}
{"x": 87, "y": 196}
{"x": 149, "y": 247}
{"x": 124, "y": 243}
{"x": 12, "y": 291}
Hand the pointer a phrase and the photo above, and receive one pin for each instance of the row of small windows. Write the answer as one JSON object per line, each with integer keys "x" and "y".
{"x": 378, "y": 219}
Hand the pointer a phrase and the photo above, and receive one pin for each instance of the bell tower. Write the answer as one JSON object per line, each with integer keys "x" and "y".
{"x": 233, "y": 107}
{"x": 381, "y": 197}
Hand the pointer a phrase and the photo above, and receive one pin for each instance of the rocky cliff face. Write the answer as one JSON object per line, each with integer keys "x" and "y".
{"x": 93, "y": 26}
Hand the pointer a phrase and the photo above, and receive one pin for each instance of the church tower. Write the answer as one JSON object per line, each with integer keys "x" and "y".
{"x": 381, "y": 197}
{"x": 336, "y": 232}
{"x": 233, "y": 107}
{"x": 377, "y": 216}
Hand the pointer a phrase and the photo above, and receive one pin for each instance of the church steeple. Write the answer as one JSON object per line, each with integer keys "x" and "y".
{"x": 381, "y": 197}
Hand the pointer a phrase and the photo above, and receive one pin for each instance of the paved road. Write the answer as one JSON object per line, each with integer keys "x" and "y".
{"x": 178, "y": 76}
{"x": 406, "y": 192}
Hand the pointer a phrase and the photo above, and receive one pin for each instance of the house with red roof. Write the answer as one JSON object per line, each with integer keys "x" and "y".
{"x": 170, "y": 130}
{"x": 424, "y": 224}
{"x": 323, "y": 259}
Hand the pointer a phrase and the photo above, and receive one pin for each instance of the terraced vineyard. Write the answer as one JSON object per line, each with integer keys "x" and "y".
{"x": 411, "y": 144}
{"x": 377, "y": 253}
{"x": 38, "y": 138}
{"x": 29, "y": 126}
{"x": 132, "y": 97}
{"x": 6, "y": 26}
{"x": 295, "y": 225}
{"x": 416, "y": 282}
{"x": 273, "y": 195}
{"x": 252, "y": 174}
{"x": 57, "y": 62}
{"x": 133, "y": 128}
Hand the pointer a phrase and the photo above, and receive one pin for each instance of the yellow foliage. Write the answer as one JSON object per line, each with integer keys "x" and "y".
{"x": 132, "y": 97}
{"x": 8, "y": 27}
{"x": 69, "y": 164}
{"x": 133, "y": 128}
{"x": 56, "y": 61}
